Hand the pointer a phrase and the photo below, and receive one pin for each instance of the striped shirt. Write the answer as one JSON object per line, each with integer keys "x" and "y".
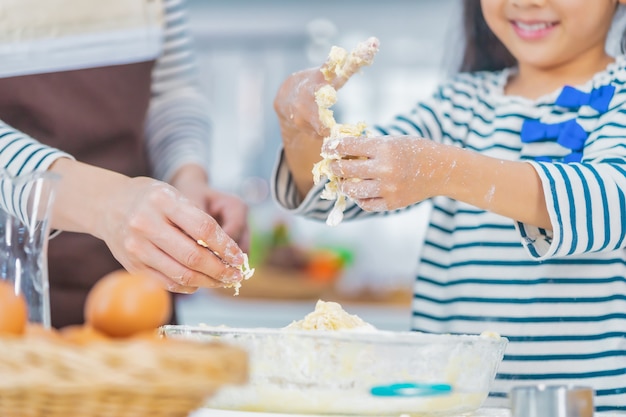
{"x": 177, "y": 125}
{"x": 558, "y": 295}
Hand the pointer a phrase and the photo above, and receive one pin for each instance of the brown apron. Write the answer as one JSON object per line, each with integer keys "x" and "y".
{"x": 97, "y": 115}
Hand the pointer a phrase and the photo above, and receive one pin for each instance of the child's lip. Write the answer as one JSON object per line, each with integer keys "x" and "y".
{"x": 533, "y": 29}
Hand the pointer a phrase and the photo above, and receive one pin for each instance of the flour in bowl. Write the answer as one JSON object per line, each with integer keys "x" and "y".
{"x": 329, "y": 315}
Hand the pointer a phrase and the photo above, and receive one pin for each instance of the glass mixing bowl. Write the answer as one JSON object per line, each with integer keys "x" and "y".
{"x": 353, "y": 372}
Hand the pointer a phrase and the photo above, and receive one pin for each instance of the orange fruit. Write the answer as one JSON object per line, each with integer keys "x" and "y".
{"x": 324, "y": 266}
{"x": 13, "y": 310}
{"x": 122, "y": 304}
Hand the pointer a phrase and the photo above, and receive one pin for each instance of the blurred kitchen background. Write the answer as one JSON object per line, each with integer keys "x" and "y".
{"x": 246, "y": 48}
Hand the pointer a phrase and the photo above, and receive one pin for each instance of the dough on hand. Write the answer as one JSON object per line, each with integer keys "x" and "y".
{"x": 245, "y": 269}
{"x": 339, "y": 65}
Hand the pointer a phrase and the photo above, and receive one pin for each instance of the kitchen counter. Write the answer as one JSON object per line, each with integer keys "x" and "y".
{"x": 486, "y": 412}
{"x": 483, "y": 412}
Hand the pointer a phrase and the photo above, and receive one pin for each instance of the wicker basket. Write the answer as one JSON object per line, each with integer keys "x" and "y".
{"x": 133, "y": 378}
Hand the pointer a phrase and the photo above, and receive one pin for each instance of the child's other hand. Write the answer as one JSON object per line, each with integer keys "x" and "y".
{"x": 295, "y": 104}
{"x": 389, "y": 172}
{"x": 300, "y": 126}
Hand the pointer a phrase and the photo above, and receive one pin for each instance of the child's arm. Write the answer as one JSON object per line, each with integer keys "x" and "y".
{"x": 392, "y": 172}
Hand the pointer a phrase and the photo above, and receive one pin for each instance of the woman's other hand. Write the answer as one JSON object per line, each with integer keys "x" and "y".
{"x": 230, "y": 211}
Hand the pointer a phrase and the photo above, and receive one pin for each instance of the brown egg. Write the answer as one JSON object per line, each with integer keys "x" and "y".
{"x": 13, "y": 310}
{"x": 122, "y": 304}
{"x": 82, "y": 334}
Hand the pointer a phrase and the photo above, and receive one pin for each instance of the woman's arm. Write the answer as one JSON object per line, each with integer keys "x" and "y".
{"x": 178, "y": 128}
{"x": 178, "y": 125}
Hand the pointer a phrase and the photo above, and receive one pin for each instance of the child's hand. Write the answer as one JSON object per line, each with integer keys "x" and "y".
{"x": 389, "y": 172}
{"x": 295, "y": 101}
{"x": 295, "y": 105}
{"x": 300, "y": 126}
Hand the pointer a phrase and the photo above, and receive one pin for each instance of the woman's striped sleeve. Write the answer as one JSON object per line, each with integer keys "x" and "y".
{"x": 21, "y": 155}
{"x": 178, "y": 123}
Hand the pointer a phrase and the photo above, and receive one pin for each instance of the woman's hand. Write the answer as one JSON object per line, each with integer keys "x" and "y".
{"x": 149, "y": 226}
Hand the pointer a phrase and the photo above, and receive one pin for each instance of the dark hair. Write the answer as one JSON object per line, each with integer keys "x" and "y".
{"x": 483, "y": 50}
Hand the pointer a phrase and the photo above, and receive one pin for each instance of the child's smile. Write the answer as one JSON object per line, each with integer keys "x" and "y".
{"x": 531, "y": 30}
{"x": 555, "y": 42}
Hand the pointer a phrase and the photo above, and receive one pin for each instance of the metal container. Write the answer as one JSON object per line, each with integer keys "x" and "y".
{"x": 552, "y": 401}
{"x": 341, "y": 372}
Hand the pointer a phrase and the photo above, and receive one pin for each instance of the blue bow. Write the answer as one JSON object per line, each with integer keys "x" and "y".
{"x": 598, "y": 98}
{"x": 568, "y": 134}
{"x": 575, "y": 156}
